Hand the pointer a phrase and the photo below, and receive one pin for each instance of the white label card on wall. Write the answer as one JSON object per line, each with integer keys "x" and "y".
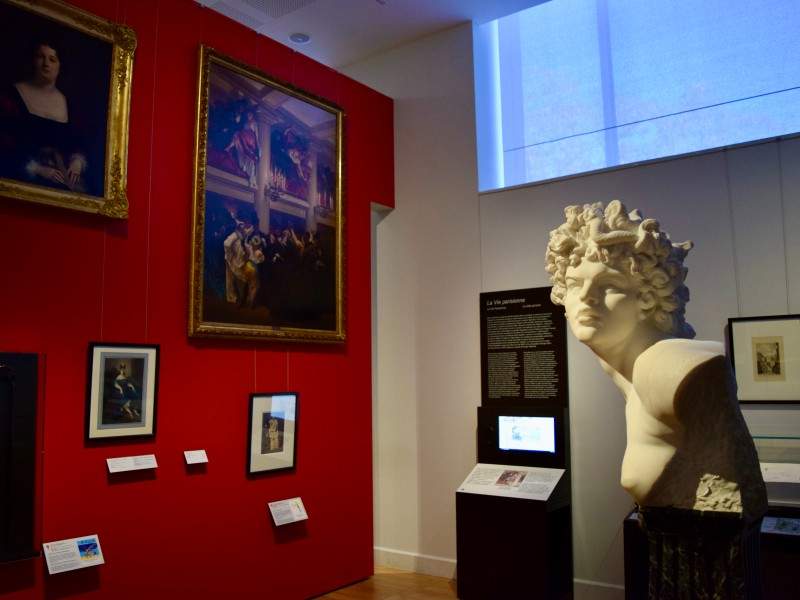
{"x": 195, "y": 457}
{"x": 131, "y": 463}
{"x": 288, "y": 511}
{"x": 75, "y": 553}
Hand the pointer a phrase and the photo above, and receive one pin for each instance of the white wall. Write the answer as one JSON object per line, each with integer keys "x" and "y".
{"x": 437, "y": 250}
{"x": 427, "y": 383}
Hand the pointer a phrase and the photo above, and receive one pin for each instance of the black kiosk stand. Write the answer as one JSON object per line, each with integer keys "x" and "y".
{"x": 516, "y": 547}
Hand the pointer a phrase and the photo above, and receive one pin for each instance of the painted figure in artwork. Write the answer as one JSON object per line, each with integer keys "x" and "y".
{"x": 273, "y": 434}
{"x": 127, "y": 392}
{"x": 291, "y": 167}
{"x": 122, "y": 393}
{"x": 38, "y": 142}
{"x": 621, "y": 281}
{"x": 244, "y": 146}
{"x": 244, "y": 252}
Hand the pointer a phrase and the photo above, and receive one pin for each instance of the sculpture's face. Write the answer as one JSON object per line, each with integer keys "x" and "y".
{"x": 601, "y": 304}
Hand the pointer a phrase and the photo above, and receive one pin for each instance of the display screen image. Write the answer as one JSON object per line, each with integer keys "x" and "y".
{"x": 531, "y": 434}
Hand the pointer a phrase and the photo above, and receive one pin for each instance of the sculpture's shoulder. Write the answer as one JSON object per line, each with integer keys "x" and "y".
{"x": 668, "y": 369}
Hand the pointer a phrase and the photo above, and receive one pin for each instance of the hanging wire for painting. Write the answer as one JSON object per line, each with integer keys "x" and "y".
{"x": 150, "y": 186}
{"x": 103, "y": 281}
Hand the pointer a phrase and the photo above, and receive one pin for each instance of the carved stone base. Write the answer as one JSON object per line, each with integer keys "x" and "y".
{"x": 698, "y": 555}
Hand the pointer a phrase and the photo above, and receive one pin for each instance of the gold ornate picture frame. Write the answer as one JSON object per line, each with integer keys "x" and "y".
{"x": 267, "y": 229}
{"x": 65, "y": 89}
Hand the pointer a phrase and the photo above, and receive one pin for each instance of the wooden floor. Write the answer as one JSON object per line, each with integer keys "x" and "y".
{"x": 392, "y": 584}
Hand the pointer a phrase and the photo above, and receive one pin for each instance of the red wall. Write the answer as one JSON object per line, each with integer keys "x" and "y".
{"x": 69, "y": 278}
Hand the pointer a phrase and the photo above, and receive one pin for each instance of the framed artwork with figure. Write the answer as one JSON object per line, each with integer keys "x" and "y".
{"x": 65, "y": 86}
{"x": 272, "y": 432}
{"x": 267, "y": 235}
{"x": 765, "y": 354}
{"x": 121, "y": 390}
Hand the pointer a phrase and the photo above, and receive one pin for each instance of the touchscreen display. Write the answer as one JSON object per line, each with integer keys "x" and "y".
{"x": 532, "y": 434}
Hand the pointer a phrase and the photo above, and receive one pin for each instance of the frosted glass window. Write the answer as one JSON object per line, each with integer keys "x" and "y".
{"x": 571, "y": 86}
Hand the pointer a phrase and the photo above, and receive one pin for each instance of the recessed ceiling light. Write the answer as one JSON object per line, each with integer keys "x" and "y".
{"x": 300, "y": 38}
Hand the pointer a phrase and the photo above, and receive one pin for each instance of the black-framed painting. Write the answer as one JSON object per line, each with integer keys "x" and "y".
{"x": 765, "y": 353}
{"x": 272, "y": 432}
{"x": 65, "y": 87}
{"x": 267, "y": 235}
{"x": 122, "y": 390}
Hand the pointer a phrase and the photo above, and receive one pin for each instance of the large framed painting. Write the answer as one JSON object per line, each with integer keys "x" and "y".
{"x": 65, "y": 86}
{"x": 121, "y": 391}
{"x": 765, "y": 353}
{"x": 272, "y": 432}
{"x": 267, "y": 258}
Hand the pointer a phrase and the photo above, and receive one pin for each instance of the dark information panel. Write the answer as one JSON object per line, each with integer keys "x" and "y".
{"x": 523, "y": 348}
{"x": 18, "y": 392}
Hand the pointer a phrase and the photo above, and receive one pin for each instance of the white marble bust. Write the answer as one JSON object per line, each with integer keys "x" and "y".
{"x": 621, "y": 281}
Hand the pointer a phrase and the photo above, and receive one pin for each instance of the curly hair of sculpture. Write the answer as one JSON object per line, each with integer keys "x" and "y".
{"x": 615, "y": 236}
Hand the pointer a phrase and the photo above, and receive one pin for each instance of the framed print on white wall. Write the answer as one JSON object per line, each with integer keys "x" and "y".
{"x": 765, "y": 353}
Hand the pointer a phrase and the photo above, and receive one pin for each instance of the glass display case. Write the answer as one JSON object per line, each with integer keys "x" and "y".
{"x": 781, "y": 450}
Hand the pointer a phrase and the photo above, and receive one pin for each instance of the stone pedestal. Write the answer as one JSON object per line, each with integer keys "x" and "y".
{"x": 701, "y": 555}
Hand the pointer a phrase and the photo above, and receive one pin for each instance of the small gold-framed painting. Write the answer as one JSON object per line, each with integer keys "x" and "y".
{"x": 765, "y": 353}
{"x": 267, "y": 235}
{"x": 65, "y": 87}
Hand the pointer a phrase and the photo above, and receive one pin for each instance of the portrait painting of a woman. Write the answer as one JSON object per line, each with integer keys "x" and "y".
{"x": 41, "y": 144}
{"x": 57, "y": 106}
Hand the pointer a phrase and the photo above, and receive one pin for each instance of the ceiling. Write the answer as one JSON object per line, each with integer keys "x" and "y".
{"x": 346, "y": 31}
